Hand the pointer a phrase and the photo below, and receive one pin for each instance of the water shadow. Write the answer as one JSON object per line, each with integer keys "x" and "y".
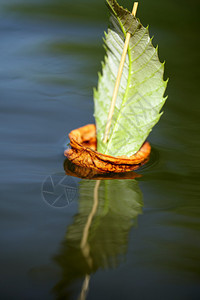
{"x": 98, "y": 237}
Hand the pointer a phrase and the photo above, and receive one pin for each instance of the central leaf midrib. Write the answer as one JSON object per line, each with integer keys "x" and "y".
{"x": 126, "y": 92}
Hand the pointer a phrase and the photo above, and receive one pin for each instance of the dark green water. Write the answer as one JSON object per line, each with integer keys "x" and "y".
{"x": 144, "y": 239}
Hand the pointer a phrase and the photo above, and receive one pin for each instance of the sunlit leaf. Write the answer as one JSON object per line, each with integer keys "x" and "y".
{"x": 142, "y": 87}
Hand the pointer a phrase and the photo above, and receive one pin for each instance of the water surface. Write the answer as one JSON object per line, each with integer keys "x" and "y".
{"x": 144, "y": 238}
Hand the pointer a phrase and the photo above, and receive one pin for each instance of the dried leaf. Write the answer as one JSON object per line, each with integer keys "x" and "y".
{"x": 83, "y": 153}
{"x": 87, "y": 173}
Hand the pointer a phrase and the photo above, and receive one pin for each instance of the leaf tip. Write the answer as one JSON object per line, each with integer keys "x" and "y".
{"x": 165, "y": 98}
{"x": 166, "y": 81}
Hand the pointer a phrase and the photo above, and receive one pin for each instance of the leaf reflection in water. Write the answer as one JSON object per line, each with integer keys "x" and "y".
{"x": 98, "y": 237}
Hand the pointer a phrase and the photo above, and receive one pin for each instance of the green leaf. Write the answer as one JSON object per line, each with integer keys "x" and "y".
{"x": 140, "y": 97}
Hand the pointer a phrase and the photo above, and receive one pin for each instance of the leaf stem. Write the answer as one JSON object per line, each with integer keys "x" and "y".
{"x": 117, "y": 83}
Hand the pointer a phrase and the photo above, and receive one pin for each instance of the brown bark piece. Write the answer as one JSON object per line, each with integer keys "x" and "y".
{"x": 83, "y": 153}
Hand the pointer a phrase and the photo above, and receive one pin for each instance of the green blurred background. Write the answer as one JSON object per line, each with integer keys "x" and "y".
{"x": 51, "y": 52}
